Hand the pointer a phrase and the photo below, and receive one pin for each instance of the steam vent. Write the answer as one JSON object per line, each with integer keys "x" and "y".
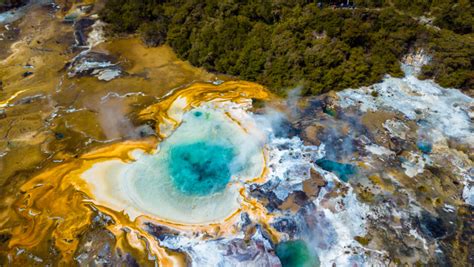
{"x": 177, "y": 133}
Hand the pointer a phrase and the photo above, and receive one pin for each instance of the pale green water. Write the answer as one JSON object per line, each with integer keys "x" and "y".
{"x": 296, "y": 253}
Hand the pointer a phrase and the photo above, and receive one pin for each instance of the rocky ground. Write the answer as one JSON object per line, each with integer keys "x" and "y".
{"x": 411, "y": 142}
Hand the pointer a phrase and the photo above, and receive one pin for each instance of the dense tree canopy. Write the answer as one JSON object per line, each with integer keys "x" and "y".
{"x": 323, "y": 46}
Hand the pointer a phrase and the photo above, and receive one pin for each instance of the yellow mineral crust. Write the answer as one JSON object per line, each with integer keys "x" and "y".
{"x": 58, "y": 204}
{"x": 5, "y": 102}
{"x": 167, "y": 113}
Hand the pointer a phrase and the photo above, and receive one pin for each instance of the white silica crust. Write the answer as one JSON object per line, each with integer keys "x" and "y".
{"x": 443, "y": 111}
{"x": 440, "y": 114}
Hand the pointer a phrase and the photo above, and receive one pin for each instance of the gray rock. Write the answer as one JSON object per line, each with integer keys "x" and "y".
{"x": 96, "y": 64}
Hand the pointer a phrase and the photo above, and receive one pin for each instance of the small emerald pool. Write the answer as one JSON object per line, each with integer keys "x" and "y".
{"x": 296, "y": 253}
{"x": 343, "y": 171}
{"x": 200, "y": 168}
{"x": 424, "y": 146}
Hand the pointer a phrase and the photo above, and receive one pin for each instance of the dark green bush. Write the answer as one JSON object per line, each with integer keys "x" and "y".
{"x": 9, "y": 4}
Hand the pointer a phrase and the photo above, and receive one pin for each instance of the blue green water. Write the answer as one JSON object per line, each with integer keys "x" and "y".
{"x": 197, "y": 113}
{"x": 330, "y": 111}
{"x": 343, "y": 171}
{"x": 296, "y": 254}
{"x": 200, "y": 168}
{"x": 424, "y": 147}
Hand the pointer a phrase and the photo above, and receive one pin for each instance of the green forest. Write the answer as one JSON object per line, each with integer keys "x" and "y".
{"x": 321, "y": 46}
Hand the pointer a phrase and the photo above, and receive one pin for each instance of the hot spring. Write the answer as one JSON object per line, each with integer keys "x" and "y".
{"x": 201, "y": 168}
{"x": 193, "y": 178}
